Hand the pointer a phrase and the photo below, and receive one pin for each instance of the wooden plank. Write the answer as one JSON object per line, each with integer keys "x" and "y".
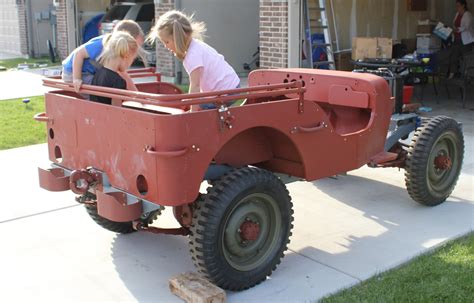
{"x": 193, "y": 288}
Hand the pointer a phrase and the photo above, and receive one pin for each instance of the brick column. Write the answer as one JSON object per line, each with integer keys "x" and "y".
{"x": 61, "y": 30}
{"x": 23, "y": 28}
{"x": 164, "y": 58}
{"x": 273, "y": 33}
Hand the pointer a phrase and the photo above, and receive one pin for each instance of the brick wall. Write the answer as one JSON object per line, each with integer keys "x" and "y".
{"x": 164, "y": 58}
{"x": 273, "y": 33}
{"x": 61, "y": 30}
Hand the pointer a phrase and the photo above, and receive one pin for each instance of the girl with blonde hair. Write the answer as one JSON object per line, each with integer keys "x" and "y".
{"x": 119, "y": 52}
{"x": 80, "y": 66}
{"x": 207, "y": 69}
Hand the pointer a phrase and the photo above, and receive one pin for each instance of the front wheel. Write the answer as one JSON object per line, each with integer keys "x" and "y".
{"x": 434, "y": 160}
{"x": 241, "y": 228}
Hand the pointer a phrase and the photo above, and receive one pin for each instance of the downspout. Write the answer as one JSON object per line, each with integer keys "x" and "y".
{"x": 29, "y": 28}
{"x": 336, "y": 35}
{"x": 178, "y": 67}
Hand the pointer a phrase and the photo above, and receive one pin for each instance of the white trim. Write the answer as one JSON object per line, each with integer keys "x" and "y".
{"x": 294, "y": 50}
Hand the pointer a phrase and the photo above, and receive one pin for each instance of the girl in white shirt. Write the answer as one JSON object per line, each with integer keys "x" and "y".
{"x": 207, "y": 69}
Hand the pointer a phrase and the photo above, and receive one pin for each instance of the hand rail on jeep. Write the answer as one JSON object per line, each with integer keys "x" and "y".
{"x": 144, "y": 72}
{"x": 178, "y": 100}
{"x": 141, "y": 70}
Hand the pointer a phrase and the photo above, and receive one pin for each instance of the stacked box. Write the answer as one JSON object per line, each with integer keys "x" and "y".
{"x": 427, "y": 44}
{"x": 426, "y": 26}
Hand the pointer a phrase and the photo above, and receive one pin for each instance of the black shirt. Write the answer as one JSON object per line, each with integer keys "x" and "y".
{"x": 108, "y": 78}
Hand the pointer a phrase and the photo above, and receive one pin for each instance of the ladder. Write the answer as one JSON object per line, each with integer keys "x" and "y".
{"x": 315, "y": 21}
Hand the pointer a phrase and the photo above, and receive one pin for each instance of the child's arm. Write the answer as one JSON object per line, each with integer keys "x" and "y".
{"x": 128, "y": 79}
{"x": 195, "y": 85}
{"x": 77, "y": 63}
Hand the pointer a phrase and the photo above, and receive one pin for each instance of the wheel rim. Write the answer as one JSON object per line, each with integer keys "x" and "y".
{"x": 443, "y": 163}
{"x": 252, "y": 231}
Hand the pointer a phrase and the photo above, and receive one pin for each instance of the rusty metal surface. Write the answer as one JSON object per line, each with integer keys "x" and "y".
{"x": 113, "y": 206}
{"x": 173, "y": 152}
{"x": 53, "y": 179}
{"x": 183, "y": 214}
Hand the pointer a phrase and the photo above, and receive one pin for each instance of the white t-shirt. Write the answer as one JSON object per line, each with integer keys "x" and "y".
{"x": 216, "y": 74}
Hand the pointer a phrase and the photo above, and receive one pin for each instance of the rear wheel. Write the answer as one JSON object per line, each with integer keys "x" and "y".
{"x": 434, "y": 160}
{"x": 118, "y": 227}
{"x": 241, "y": 228}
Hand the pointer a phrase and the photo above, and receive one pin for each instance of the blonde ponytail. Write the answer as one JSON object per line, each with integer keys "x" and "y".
{"x": 180, "y": 27}
{"x": 199, "y": 29}
{"x": 118, "y": 45}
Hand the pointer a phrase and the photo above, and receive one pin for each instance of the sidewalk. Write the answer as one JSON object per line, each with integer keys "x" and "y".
{"x": 19, "y": 84}
{"x": 346, "y": 230}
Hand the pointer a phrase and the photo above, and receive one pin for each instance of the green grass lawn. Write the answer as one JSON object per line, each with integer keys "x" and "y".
{"x": 446, "y": 275}
{"x": 13, "y": 63}
{"x": 17, "y": 127}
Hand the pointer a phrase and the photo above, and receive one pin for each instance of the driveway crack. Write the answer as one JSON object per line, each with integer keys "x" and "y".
{"x": 329, "y": 266}
{"x": 37, "y": 214}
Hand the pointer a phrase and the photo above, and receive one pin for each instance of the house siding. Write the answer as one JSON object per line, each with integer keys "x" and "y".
{"x": 13, "y": 27}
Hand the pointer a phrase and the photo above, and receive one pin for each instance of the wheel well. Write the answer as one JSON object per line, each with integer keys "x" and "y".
{"x": 262, "y": 147}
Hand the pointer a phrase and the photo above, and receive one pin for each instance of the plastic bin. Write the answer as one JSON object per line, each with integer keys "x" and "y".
{"x": 407, "y": 94}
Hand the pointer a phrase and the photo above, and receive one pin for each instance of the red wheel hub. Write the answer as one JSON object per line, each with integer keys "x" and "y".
{"x": 249, "y": 231}
{"x": 443, "y": 162}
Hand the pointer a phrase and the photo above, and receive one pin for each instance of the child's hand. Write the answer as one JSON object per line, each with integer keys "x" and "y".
{"x": 77, "y": 84}
{"x": 195, "y": 108}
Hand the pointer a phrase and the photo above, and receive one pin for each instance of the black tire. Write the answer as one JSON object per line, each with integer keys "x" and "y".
{"x": 118, "y": 227}
{"x": 244, "y": 200}
{"x": 434, "y": 160}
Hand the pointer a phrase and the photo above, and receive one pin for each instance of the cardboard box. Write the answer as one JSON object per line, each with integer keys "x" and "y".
{"x": 425, "y": 29}
{"x": 371, "y": 48}
{"x": 426, "y": 26}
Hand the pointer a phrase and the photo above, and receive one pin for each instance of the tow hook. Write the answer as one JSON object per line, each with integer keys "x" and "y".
{"x": 81, "y": 180}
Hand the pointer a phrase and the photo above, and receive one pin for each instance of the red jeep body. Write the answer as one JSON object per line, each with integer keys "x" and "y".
{"x": 300, "y": 122}
{"x": 145, "y": 151}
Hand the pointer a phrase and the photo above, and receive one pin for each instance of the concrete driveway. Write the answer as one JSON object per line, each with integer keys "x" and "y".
{"x": 346, "y": 230}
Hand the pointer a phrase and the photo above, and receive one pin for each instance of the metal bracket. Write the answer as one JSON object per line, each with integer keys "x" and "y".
{"x": 301, "y": 103}
{"x": 225, "y": 118}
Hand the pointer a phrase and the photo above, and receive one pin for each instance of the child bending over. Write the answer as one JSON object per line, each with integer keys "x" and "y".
{"x": 119, "y": 53}
{"x": 207, "y": 69}
{"x": 80, "y": 66}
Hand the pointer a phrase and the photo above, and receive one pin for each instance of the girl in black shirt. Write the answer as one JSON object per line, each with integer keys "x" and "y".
{"x": 119, "y": 52}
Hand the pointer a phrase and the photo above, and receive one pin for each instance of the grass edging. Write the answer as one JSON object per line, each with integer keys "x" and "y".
{"x": 431, "y": 276}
